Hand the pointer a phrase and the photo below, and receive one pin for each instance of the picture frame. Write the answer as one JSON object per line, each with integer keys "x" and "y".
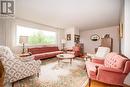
{"x": 94, "y": 37}
{"x": 68, "y": 37}
{"x": 76, "y": 38}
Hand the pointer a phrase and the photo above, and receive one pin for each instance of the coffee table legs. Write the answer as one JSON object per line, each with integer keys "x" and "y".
{"x": 61, "y": 59}
{"x": 71, "y": 61}
{"x": 58, "y": 61}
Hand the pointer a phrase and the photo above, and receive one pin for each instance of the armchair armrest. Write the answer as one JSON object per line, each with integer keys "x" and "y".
{"x": 110, "y": 75}
{"x": 91, "y": 55}
{"x": 97, "y": 60}
{"x": 25, "y": 59}
{"x": 110, "y": 69}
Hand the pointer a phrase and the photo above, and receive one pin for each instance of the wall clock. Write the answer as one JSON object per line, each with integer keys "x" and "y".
{"x": 94, "y": 37}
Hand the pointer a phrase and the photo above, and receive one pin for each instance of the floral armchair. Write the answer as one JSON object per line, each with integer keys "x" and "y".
{"x": 16, "y": 69}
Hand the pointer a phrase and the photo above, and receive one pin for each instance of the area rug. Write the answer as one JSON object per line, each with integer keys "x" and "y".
{"x": 54, "y": 74}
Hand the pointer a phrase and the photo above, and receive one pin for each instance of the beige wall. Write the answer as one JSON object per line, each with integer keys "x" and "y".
{"x": 73, "y": 31}
{"x": 91, "y": 45}
{"x": 2, "y": 34}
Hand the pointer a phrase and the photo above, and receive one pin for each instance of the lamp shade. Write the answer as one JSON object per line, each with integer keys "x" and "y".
{"x": 63, "y": 41}
{"x": 23, "y": 39}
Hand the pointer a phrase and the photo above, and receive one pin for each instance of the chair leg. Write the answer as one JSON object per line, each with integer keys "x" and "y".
{"x": 37, "y": 74}
{"x": 13, "y": 84}
{"x": 89, "y": 82}
{"x": 85, "y": 67}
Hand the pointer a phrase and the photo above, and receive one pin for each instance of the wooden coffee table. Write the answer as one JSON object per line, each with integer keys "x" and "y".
{"x": 65, "y": 56}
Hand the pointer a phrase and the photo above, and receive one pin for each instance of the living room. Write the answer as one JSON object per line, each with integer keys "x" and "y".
{"x": 64, "y": 43}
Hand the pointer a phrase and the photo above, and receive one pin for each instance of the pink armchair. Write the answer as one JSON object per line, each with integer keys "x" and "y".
{"x": 75, "y": 50}
{"x": 112, "y": 70}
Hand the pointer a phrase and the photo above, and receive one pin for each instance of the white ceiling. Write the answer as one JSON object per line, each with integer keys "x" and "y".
{"x": 83, "y": 14}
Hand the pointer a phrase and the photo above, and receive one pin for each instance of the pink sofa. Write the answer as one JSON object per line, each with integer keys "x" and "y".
{"x": 112, "y": 70}
{"x": 44, "y": 52}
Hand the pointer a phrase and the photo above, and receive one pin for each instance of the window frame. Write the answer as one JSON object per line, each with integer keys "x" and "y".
{"x": 18, "y": 44}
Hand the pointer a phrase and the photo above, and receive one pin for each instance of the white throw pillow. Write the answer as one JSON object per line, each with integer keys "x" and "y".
{"x": 102, "y": 52}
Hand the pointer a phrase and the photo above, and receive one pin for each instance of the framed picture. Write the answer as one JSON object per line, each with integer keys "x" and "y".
{"x": 76, "y": 38}
{"x": 94, "y": 37}
{"x": 68, "y": 36}
{"x": 121, "y": 30}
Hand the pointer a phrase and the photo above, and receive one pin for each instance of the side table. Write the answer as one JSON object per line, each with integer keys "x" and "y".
{"x": 24, "y": 55}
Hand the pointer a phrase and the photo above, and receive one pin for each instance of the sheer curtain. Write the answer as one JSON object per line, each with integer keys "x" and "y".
{"x": 7, "y": 27}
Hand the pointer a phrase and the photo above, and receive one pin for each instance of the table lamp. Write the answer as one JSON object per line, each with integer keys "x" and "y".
{"x": 23, "y": 40}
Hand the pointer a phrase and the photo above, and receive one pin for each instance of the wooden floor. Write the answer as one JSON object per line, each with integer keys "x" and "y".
{"x": 99, "y": 84}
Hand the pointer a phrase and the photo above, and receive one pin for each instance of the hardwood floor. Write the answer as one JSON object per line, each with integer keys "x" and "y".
{"x": 99, "y": 84}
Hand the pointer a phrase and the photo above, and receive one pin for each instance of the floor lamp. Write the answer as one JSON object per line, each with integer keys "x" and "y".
{"x": 23, "y": 40}
{"x": 63, "y": 43}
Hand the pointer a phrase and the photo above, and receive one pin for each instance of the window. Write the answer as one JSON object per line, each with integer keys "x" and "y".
{"x": 36, "y": 36}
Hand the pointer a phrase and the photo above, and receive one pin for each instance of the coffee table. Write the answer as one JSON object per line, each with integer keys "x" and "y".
{"x": 65, "y": 56}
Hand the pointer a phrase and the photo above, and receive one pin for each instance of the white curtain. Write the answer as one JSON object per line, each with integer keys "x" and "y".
{"x": 7, "y": 35}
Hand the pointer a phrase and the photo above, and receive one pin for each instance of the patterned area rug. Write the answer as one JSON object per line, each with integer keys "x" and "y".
{"x": 53, "y": 74}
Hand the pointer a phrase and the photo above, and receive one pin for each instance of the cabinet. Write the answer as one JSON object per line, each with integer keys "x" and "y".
{"x": 81, "y": 48}
{"x": 107, "y": 42}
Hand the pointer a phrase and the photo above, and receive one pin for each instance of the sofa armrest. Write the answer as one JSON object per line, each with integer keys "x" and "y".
{"x": 97, "y": 60}
{"x": 110, "y": 69}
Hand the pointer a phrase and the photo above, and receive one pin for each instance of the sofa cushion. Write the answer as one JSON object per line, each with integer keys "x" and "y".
{"x": 39, "y": 56}
{"x": 115, "y": 61}
{"x": 37, "y": 50}
{"x": 46, "y": 55}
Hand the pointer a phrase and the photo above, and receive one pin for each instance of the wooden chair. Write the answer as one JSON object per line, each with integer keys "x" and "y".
{"x": 1, "y": 75}
{"x": 77, "y": 50}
